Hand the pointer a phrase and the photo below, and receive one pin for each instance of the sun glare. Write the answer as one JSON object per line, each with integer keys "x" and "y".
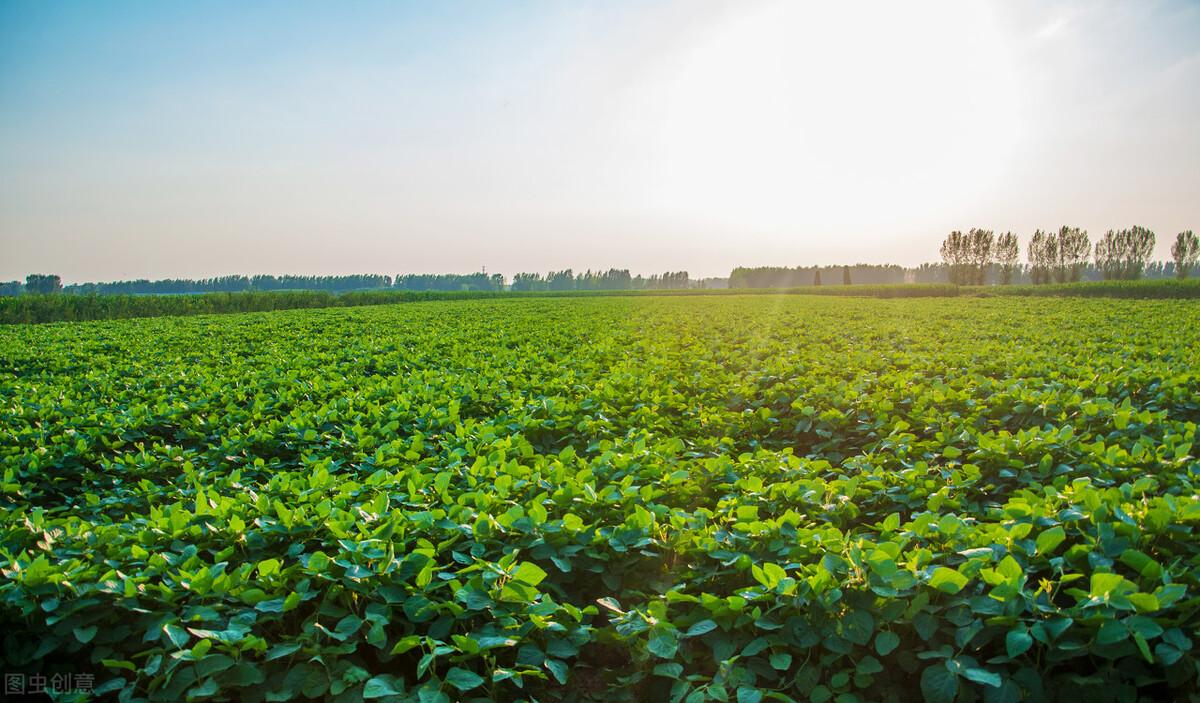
{"x": 776, "y": 118}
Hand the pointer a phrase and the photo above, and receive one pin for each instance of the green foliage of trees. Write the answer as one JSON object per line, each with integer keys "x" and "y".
{"x": 1072, "y": 248}
{"x": 42, "y": 284}
{"x": 1007, "y": 255}
{"x": 1058, "y": 257}
{"x": 449, "y": 282}
{"x": 789, "y": 277}
{"x": 1123, "y": 254}
{"x": 613, "y": 279}
{"x": 1185, "y": 252}
{"x": 968, "y": 255}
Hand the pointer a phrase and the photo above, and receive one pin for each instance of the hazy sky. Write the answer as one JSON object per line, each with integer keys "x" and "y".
{"x": 164, "y": 139}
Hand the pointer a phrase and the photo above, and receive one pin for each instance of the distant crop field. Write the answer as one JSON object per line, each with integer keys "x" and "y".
{"x": 701, "y": 498}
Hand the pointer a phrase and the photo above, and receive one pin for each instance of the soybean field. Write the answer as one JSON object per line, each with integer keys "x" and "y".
{"x": 677, "y": 499}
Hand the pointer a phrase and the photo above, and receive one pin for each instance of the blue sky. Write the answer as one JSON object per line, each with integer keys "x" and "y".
{"x": 171, "y": 139}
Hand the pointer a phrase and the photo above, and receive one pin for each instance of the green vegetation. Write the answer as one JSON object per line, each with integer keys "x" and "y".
{"x": 1159, "y": 288}
{"x": 78, "y": 308}
{"x": 739, "y": 498}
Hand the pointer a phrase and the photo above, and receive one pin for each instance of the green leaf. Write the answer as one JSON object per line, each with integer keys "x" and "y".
{"x": 1103, "y": 585}
{"x": 700, "y": 628}
{"x": 745, "y": 694}
{"x": 559, "y": 669}
{"x": 1144, "y": 626}
{"x": 85, "y": 634}
{"x": 939, "y": 684}
{"x": 383, "y": 685}
{"x": 858, "y": 626}
{"x": 244, "y": 674}
{"x": 208, "y": 688}
{"x": 176, "y": 635}
{"x": 1142, "y": 563}
{"x": 1010, "y": 569}
{"x": 119, "y": 664}
{"x": 213, "y": 664}
{"x": 886, "y": 642}
{"x": 346, "y": 627}
{"x": 463, "y": 679}
{"x": 982, "y": 676}
{"x": 663, "y": 643}
{"x": 281, "y": 650}
{"x": 1143, "y": 647}
{"x": 1049, "y": 540}
{"x": 670, "y": 670}
{"x": 529, "y": 573}
{"x": 1111, "y": 632}
{"x": 406, "y": 643}
{"x": 431, "y": 694}
{"x": 868, "y": 665}
{"x": 1017, "y": 641}
{"x": 947, "y": 580}
{"x": 780, "y": 661}
{"x": 317, "y": 561}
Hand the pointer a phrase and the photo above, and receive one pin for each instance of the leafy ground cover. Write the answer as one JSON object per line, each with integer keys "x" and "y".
{"x": 726, "y": 498}
{"x": 58, "y": 307}
{"x": 27, "y": 309}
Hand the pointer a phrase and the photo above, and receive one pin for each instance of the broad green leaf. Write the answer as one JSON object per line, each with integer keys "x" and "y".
{"x": 1049, "y": 540}
{"x": 886, "y": 642}
{"x": 938, "y": 684}
{"x": 529, "y": 573}
{"x": 463, "y": 679}
{"x": 947, "y": 580}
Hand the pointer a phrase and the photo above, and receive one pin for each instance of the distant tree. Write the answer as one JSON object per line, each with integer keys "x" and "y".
{"x": 1071, "y": 249}
{"x": 927, "y": 273}
{"x": 42, "y": 283}
{"x": 1043, "y": 254}
{"x": 528, "y": 282}
{"x": 1185, "y": 251}
{"x": 1108, "y": 255}
{"x": 817, "y": 276}
{"x": 981, "y": 243}
{"x": 968, "y": 255}
{"x": 845, "y": 275}
{"x": 785, "y": 277}
{"x": 1007, "y": 256}
{"x": 11, "y": 288}
{"x": 1122, "y": 255}
{"x": 441, "y": 281}
{"x": 956, "y": 252}
{"x": 561, "y": 280}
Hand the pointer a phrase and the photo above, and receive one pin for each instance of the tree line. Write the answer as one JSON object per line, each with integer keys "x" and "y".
{"x": 785, "y": 277}
{"x": 612, "y": 279}
{"x": 1063, "y": 256}
{"x": 968, "y": 258}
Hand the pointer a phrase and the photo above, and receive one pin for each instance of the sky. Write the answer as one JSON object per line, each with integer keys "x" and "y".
{"x": 163, "y": 139}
